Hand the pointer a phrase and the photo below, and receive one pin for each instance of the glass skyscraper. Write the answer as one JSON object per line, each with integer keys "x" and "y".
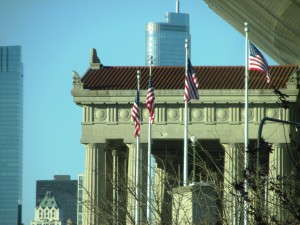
{"x": 11, "y": 133}
{"x": 165, "y": 42}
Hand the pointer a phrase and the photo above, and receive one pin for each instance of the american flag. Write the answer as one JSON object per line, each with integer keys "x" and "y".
{"x": 191, "y": 84}
{"x": 258, "y": 62}
{"x": 150, "y": 100}
{"x": 135, "y": 114}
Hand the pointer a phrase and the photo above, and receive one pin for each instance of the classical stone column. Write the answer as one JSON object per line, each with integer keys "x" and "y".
{"x": 131, "y": 175}
{"x": 131, "y": 183}
{"x": 279, "y": 161}
{"x": 119, "y": 185}
{"x": 279, "y": 168}
{"x": 164, "y": 181}
{"x": 94, "y": 185}
{"x": 233, "y": 170}
{"x": 158, "y": 193}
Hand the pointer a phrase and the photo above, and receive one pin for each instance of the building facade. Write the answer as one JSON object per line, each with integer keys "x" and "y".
{"x": 65, "y": 191}
{"x": 165, "y": 41}
{"x": 11, "y": 133}
{"x": 217, "y": 120}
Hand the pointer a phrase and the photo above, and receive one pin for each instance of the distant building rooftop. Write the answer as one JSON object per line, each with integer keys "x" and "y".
{"x": 62, "y": 177}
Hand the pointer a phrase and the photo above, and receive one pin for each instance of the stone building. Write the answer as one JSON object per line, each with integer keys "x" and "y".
{"x": 48, "y": 212}
{"x": 106, "y": 95}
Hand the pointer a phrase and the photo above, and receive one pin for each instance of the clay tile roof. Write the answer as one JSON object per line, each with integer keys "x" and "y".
{"x": 172, "y": 77}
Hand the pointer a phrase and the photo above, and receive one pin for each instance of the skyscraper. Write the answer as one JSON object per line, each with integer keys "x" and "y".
{"x": 165, "y": 42}
{"x": 65, "y": 191}
{"x": 11, "y": 133}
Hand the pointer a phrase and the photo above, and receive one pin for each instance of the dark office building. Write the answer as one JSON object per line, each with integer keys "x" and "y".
{"x": 65, "y": 191}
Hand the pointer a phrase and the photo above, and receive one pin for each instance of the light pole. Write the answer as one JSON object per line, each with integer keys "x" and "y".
{"x": 194, "y": 142}
{"x": 137, "y": 165}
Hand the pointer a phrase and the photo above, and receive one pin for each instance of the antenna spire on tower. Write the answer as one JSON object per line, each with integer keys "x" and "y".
{"x": 177, "y": 6}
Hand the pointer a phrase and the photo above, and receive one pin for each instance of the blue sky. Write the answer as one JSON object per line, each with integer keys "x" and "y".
{"x": 56, "y": 37}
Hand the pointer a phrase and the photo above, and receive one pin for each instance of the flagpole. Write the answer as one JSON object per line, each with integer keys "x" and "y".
{"x": 149, "y": 156}
{"x": 185, "y": 153}
{"x": 137, "y": 169}
{"x": 246, "y": 159}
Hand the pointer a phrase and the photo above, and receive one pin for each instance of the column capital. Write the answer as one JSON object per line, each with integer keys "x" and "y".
{"x": 95, "y": 145}
{"x": 278, "y": 145}
{"x": 230, "y": 145}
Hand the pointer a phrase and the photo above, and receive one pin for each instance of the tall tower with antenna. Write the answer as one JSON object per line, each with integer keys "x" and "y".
{"x": 165, "y": 40}
{"x": 11, "y": 130}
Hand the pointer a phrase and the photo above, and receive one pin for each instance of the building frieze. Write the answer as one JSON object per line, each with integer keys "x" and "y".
{"x": 173, "y": 113}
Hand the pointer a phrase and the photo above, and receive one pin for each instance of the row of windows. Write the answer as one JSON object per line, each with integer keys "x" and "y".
{"x": 15, "y": 76}
{"x": 10, "y": 143}
{"x": 79, "y": 207}
{"x": 48, "y": 223}
{"x": 9, "y": 124}
{"x": 53, "y": 211}
{"x": 79, "y": 219}
{"x": 46, "y": 216}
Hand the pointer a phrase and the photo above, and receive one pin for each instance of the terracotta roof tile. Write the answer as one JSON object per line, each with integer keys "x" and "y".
{"x": 172, "y": 77}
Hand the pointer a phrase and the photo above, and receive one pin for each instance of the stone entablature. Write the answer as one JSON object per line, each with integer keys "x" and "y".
{"x": 217, "y": 113}
{"x": 85, "y": 96}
